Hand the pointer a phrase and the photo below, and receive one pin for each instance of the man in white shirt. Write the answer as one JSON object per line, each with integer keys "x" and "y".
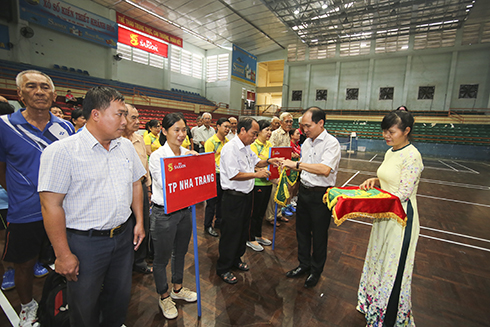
{"x": 320, "y": 157}
{"x": 194, "y": 135}
{"x": 204, "y": 132}
{"x": 88, "y": 185}
{"x": 237, "y": 173}
{"x": 233, "y": 122}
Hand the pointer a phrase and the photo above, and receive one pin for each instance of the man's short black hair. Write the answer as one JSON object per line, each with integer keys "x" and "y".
{"x": 6, "y": 108}
{"x": 221, "y": 121}
{"x": 317, "y": 114}
{"x": 100, "y": 98}
{"x": 246, "y": 122}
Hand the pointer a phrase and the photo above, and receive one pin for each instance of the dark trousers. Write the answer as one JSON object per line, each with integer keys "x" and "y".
{"x": 261, "y": 200}
{"x": 214, "y": 206}
{"x": 312, "y": 222}
{"x": 142, "y": 252}
{"x": 101, "y": 295}
{"x": 234, "y": 230}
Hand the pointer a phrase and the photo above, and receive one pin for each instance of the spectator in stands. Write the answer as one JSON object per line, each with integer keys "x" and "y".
{"x": 204, "y": 132}
{"x": 131, "y": 133}
{"x": 23, "y": 136}
{"x": 193, "y": 131}
{"x": 71, "y": 100}
{"x": 275, "y": 123}
{"x": 170, "y": 233}
{"x": 77, "y": 119}
{"x": 57, "y": 112}
{"x": 237, "y": 170}
{"x": 403, "y": 108}
{"x": 280, "y": 137}
{"x": 318, "y": 167}
{"x": 214, "y": 144}
{"x": 233, "y": 123}
{"x": 152, "y": 139}
{"x": 262, "y": 189}
{"x": 88, "y": 185}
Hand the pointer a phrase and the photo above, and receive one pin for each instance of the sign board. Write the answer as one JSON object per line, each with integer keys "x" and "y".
{"x": 279, "y": 152}
{"x": 137, "y": 25}
{"x": 188, "y": 180}
{"x": 139, "y": 41}
{"x": 243, "y": 66}
{"x": 69, "y": 19}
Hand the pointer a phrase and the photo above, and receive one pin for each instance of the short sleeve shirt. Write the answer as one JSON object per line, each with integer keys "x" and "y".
{"x": 214, "y": 144}
{"x": 21, "y": 145}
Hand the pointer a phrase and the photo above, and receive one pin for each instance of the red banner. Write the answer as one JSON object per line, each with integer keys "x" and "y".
{"x": 279, "y": 152}
{"x": 188, "y": 180}
{"x": 133, "y": 23}
{"x": 142, "y": 42}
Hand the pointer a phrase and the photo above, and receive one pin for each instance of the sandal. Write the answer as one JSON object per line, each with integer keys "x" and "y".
{"x": 272, "y": 223}
{"x": 242, "y": 266}
{"x": 229, "y": 278}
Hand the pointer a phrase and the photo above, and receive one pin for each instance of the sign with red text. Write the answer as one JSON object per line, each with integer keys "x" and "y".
{"x": 279, "y": 152}
{"x": 137, "y": 25}
{"x": 188, "y": 180}
{"x": 139, "y": 41}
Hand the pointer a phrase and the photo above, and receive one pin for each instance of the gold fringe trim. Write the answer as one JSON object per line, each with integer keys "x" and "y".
{"x": 378, "y": 215}
{"x": 364, "y": 194}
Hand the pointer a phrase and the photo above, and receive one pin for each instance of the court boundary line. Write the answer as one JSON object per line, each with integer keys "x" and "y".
{"x": 448, "y": 165}
{"x": 425, "y": 167}
{"x": 9, "y": 310}
{"x": 476, "y": 172}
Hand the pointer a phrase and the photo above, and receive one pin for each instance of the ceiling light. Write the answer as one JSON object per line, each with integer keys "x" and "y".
{"x": 324, "y": 6}
{"x": 296, "y": 12}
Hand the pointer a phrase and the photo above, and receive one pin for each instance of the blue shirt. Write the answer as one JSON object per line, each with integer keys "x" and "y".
{"x": 21, "y": 145}
{"x": 4, "y": 204}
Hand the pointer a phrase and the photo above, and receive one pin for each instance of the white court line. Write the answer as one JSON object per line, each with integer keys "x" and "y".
{"x": 454, "y": 162}
{"x": 456, "y": 234}
{"x": 351, "y": 178}
{"x": 447, "y": 165}
{"x": 434, "y": 238}
{"x": 9, "y": 311}
{"x": 373, "y": 157}
{"x": 453, "y": 200}
{"x": 425, "y": 167}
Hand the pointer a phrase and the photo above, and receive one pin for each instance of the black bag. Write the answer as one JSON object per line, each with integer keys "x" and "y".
{"x": 53, "y": 307}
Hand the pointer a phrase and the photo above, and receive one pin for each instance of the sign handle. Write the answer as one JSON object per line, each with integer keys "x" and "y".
{"x": 274, "y": 232}
{"x": 196, "y": 260}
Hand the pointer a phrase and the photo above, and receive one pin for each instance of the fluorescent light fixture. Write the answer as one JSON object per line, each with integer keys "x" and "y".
{"x": 296, "y": 12}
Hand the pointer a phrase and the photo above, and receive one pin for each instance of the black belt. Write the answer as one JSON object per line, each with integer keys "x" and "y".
{"x": 322, "y": 189}
{"x": 163, "y": 207}
{"x": 236, "y": 193}
{"x": 94, "y": 232}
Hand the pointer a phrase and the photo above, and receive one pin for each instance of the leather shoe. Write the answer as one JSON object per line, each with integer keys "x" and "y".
{"x": 298, "y": 271}
{"x": 210, "y": 230}
{"x": 311, "y": 281}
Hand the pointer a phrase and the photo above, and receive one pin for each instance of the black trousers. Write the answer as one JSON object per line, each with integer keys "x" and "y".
{"x": 142, "y": 252}
{"x": 312, "y": 222}
{"x": 260, "y": 202}
{"x": 214, "y": 206}
{"x": 234, "y": 230}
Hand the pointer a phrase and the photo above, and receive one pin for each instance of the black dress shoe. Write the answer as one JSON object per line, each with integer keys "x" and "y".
{"x": 311, "y": 281}
{"x": 210, "y": 230}
{"x": 298, "y": 271}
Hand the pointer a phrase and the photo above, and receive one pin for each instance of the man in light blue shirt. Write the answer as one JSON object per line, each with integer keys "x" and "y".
{"x": 88, "y": 185}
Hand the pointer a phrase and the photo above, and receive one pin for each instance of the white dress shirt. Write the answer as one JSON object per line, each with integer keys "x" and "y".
{"x": 230, "y": 135}
{"x": 203, "y": 134}
{"x": 237, "y": 158}
{"x": 156, "y": 171}
{"x": 325, "y": 149}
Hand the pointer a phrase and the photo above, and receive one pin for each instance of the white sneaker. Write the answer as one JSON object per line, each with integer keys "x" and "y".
{"x": 263, "y": 241}
{"x": 184, "y": 294}
{"x": 28, "y": 316}
{"x": 255, "y": 247}
{"x": 168, "y": 308}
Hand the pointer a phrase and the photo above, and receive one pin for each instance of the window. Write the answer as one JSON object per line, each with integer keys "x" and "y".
{"x": 351, "y": 94}
{"x": 185, "y": 62}
{"x": 386, "y": 93}
{"x": 217, "y": 68}
{"x": 140, "y": 56}
{"x": 297, "y": 96}
{"x": 296, "y": 52}
{"x": 468, "y": 91}
{"x": 426, "y": 92}
{"x": 322, "y": 52}
{"x": 321, "y": 95}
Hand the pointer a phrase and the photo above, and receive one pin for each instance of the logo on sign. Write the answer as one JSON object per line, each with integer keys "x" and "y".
{"x": 170, "y": 167}
{"x": 134, "y": 39}
{"x": 180, "y": 165}
{"x": 276, "y": 152}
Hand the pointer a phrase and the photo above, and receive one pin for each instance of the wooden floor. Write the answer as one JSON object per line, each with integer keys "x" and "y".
{"x": 451, "y": 283}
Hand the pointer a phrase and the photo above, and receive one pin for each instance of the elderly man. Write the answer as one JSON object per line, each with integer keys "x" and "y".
{"x": 193, "y": 132}
{"x": 318, "y": 166}
{"x": 204, "y": 132}
{"x": 23, "y": 137}
{"x": 279, "y": 137}
{"x": 237, "y": 170}
{"x": 233, "y": 122}
{"x": 131, "y": 133}
{"x": 275, "y": 123}
{"x": 88, "y": 185}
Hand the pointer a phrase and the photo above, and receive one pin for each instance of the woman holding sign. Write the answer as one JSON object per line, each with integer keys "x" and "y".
{"x": 170, "y": 233}
{"x": 384, "y": 295}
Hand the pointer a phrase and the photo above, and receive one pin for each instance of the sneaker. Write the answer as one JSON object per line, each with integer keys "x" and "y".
{"x": 291, "y": 208}
{"x": 263, "y": 241}
{"x": 184, "y": 294}
{"x": 39, "y": 270}
{"x": 168, "y": 308}
{"x": 286, "y": 212}
{"x": 8, "y": 280}
{"x": 28, "y": 316}
{"x": 255, "y": 247}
